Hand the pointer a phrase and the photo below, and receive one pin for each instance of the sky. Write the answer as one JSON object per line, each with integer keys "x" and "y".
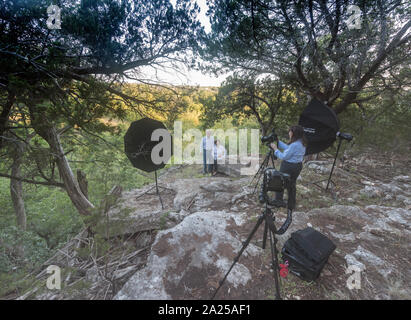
{"x": 186, "y": 76}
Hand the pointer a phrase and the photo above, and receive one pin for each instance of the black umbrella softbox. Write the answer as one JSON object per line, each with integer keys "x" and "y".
{"x": 138, "y": 144}
{"x": 321, "y": 128}
{"x": 320, "y": 125}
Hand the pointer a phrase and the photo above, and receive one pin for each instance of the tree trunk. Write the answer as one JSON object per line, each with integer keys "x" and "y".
{"x": 83, "y": 183}
{"x": 16, "y": 186}
{"x": 4, "y": 116}
{"x": 80, "y": 201}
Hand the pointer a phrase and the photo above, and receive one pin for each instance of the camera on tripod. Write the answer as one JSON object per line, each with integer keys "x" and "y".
{"x": 269, "y": 138}
{"x": 275, "y": 181}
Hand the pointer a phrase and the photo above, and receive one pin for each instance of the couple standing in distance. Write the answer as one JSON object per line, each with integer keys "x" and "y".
{"x": 213, "y": 153}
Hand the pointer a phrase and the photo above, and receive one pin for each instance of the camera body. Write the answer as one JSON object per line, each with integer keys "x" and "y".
{"x": 269, "y": 138}
{"x": 276, "y": 181}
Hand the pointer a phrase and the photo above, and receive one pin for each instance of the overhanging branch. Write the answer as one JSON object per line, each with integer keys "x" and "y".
{"x": 44, "y": 183}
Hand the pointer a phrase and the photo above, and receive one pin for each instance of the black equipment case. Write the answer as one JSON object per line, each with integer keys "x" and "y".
{"x": 307, "y": 252}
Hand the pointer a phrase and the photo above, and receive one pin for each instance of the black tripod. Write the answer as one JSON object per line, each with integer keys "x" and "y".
{"x": 270, "y": 229}
{"x": 269, "y": 156}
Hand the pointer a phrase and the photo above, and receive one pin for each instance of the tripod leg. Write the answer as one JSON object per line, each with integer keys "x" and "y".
{"x": 246, "y": 243}
{"x": 260, "y": 172}
{"x": 265, "y": 235}
{"x": 274, "y": 261}
{"x": 274, "y": 255}
{"x": 270, "y": 155}
{"x": 272, "y": 158}
{"x": 257, "y": 173}
{"x": 263, "y": 164}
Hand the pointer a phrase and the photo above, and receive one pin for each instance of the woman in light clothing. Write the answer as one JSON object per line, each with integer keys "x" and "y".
{"x": 219, "y": 155}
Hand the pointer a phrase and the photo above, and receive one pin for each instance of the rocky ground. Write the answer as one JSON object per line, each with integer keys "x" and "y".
{"x": 181, "y": 251}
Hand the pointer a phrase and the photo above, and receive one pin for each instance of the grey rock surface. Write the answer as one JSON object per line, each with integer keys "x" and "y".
{"x": 185, "y": 257}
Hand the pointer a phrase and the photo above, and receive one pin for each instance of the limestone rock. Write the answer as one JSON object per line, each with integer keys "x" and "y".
{"x": 118, "y": 274}
{"x": 391, "y": 188}
{"x": 405, "y": 200}
{"x": 405, "y": 179}
{"x": 371, "y": 192}
{"x": 322, "y": 167}
{"x": 186, "y": 258}
{"x": 93, "y": 275}
{"x": 236, "y": 167}
{"x": 371, "y": 259}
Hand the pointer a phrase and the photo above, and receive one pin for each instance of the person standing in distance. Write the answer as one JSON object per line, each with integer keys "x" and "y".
{"x": 219, "y": 155}
{"x": 292, "y": 158}
{"x": 207, "y": 145}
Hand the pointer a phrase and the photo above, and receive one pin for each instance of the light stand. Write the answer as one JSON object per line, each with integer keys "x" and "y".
{"x": 156, "y": 186}
{"x": 342, "y": 136}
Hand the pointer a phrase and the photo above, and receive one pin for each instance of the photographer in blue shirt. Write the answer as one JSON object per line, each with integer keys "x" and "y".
{"x": 292, "y": 158}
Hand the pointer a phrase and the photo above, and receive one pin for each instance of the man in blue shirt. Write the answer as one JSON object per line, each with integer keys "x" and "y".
{"x": 292, "y": 160}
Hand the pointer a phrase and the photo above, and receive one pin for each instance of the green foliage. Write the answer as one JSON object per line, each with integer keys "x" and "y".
{"x": 105, "y": 163}
{"x": 15, "y": 282}
{"x": 382, "y": 125}
{"x": 50, "y": 214}
{"x": 257, "y": 102}
{"x": 21, "y": 249}
{"x": 51, "y": 217}
{"x": 7, "y": 216}
{"x": 163, "y": 220}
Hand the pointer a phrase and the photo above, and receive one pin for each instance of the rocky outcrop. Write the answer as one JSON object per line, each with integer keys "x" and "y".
{"x": 398, "y": 189}
{"x": 376, "y": 239}
{"x": 324, "y": 167}
{"x": 183, "y": 250}
{"x": 138, "y": 210}
{"x": 234, "y": 166}
{"x": 187, "y": 260}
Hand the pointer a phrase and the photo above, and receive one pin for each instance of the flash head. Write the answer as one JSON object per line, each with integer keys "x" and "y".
{"x": 344, "y": 135}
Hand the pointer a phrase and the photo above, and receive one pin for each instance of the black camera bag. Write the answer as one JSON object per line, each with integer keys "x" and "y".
{"x": 307, "y": 252}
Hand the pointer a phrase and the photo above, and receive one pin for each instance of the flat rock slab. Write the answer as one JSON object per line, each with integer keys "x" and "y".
{"x": 187, "y": 261}
{"x": 239, "y": 167}
{"x": 138, "y": 211}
